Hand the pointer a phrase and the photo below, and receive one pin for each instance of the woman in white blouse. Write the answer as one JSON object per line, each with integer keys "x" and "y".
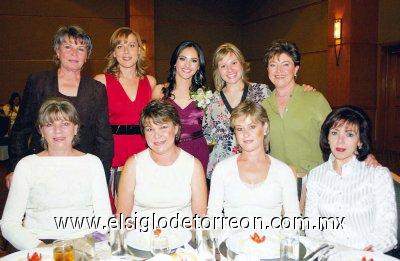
{"x": 57, "y": 183}
{"x": 163, "y": 180}
{"x": 252, "y": 183}
{"x": 345, "y": 187}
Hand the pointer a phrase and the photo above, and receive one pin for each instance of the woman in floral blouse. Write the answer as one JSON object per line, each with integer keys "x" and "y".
{"x": 232, "y": 87}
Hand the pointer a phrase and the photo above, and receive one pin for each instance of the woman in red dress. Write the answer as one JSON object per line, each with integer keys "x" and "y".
{"x": 129, "y": 90}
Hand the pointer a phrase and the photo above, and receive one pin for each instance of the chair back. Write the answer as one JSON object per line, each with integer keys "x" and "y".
{"x": 4, "y": 125}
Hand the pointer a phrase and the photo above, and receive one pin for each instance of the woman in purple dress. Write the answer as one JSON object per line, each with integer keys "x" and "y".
{"x": 187, "y": 75}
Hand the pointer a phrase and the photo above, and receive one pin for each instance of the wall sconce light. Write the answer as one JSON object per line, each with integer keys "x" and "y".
{"x": 144, "y": 44}
{"x": 337, "y": 36}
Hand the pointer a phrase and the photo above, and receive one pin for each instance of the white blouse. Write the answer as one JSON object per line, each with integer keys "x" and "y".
{"x": 163, "y": 190}
{"x": 363, "y": 195}
{"x": 268, "y": 199}
{"x": 47, "y": 188}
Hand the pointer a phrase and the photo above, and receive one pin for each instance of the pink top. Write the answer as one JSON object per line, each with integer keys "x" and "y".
{"x": 123, "y": 111}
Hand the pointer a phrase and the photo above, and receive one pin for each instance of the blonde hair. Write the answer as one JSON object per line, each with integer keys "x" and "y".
{"x": 56, "y": 108}
{"x": 116, "y": 38}
{"x": 255, "y": 111}
{"x": 219, "y": 54}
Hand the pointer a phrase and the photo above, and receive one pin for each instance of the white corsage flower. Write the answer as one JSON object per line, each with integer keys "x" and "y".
{"x": 202, "y": 98}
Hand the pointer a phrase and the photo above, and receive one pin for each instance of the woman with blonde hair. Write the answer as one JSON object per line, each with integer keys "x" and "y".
{"x": 232, "y": 87}
{"x": 129, "y": 90}
{"x": 58, "y": 183}
{"x": 252, "y": 183}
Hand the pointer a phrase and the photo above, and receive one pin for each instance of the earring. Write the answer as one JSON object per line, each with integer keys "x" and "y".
{"x": 360, "y": 146}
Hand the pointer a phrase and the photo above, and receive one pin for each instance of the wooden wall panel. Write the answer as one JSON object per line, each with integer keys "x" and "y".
{"x": 303, "y": 22}
{"x": 178, "y": 20}
{"x": 26, "y": 45}
{"x": 141, "y": 19}
{"x": 62, "y": 8}
{"x": 389, "y": 21}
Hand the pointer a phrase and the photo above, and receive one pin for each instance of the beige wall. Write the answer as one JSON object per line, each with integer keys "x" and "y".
{"x": 27, "y": 28}
{"x": 303, "y": 22}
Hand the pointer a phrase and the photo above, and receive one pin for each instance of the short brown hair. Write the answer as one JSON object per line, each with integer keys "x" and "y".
{"x": 255, "y": 111}
{"x": 283, "y": 46}
{"x": 161, "y": 111}
{"x": 116, "y": 38}
{"x": 56, "y": 108}
{"x": 219, "y": 54}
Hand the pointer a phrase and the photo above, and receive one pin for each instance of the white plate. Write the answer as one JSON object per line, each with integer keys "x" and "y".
{"x": 47, "y": 254}
{"x": 242, "y": 243}
{"x": 141, "y": 240}
{"x": 358, "y": 255}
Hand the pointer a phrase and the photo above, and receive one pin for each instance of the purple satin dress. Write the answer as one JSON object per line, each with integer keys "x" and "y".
{"x": 192, "y": 138}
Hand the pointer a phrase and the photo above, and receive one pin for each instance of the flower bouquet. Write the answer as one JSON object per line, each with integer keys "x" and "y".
{"x": 201, "y": 98}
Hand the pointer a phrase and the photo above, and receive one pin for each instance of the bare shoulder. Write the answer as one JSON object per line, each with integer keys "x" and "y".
{"x": 101, "y": 78}
{"x": 197, "y": 164}
{"x": 152, "y": 81}
{"x": 130, "y": 163}
{"x": 157, "y": 91}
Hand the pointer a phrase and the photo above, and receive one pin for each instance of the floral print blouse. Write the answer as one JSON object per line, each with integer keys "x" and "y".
{"x": 216, "y": 126}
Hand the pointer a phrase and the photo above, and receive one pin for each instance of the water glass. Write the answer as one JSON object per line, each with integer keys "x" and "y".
{"x": 289, "y": 246}
{"x": 206, "y": 242}
{"x": 159, "y": 245}
{"x": 118, "y": 242}
{"x": 63, "y": 251}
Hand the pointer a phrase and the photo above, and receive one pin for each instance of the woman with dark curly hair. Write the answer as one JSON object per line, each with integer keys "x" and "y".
{"x": 187, "y": 75}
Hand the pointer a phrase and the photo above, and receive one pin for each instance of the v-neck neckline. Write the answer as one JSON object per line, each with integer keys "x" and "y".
{"x": 182, "y": 109}
{"x": 126, "y": 94}
{"x": 225, "y": 100}
{"x": 68, "y": 96}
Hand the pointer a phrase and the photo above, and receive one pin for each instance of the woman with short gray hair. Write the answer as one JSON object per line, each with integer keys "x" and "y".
{"x": 72, "y": 46}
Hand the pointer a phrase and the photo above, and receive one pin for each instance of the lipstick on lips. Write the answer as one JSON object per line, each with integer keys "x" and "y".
{"x": 340, "y": 149}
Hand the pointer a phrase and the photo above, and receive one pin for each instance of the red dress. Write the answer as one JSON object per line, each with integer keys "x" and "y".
{"x": 123, "y": 111}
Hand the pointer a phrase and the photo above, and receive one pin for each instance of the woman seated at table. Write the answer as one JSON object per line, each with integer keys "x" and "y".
{"x": 59, "y": 182}
{"x": 163, "y": 179}
{"x": 345, "y": 187}
{"x": 252, "y": 183}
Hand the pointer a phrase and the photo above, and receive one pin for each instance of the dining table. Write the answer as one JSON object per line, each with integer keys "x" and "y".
{"x": 190, "y": 249}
